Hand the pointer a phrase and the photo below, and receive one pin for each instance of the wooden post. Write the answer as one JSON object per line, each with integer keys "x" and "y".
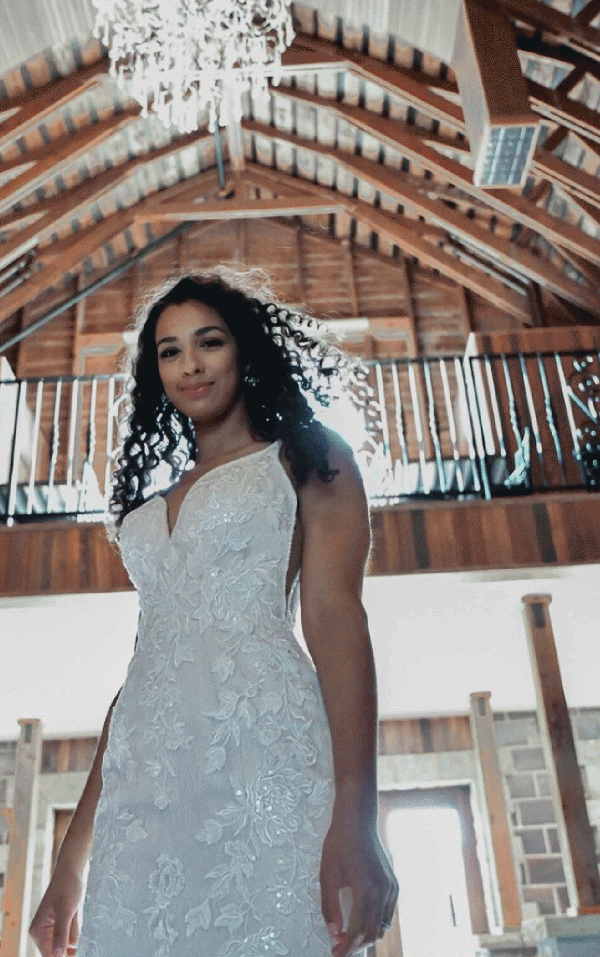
{"x": 17, "y": 895}
{"x": 574, "y": 831}
{"x": 496, "y": 825}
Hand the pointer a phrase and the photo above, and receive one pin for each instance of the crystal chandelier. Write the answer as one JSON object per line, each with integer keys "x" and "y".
{"x": 180, "y": 57}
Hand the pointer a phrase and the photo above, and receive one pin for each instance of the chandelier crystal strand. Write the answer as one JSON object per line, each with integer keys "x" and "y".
{"x": 179, "y": 57}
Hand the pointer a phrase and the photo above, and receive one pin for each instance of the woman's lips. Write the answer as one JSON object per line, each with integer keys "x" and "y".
{"x": 197, "y": 390}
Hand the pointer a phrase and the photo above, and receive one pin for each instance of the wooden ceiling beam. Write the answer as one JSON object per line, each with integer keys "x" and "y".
{"x": 81, "y": 247}
{"x": 412, "y": 87}
{"x": 560, "y": 53}
{"x": 80, "y": 197}
{"x": 34, "y": 106}
{"x": 562, "y": 110}
{"x": 589, "y": 13}
{"x": 506, "y": 202}
{"x": 456, "y": 224}
{"x": 548, "y": 19}
{"x": 66, "y": 151}
{"x": 390, "y": 226}
{"x": 61, "y": 259}
{"x": 241, "y": 209}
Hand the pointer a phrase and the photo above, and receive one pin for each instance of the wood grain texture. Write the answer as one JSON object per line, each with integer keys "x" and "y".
{"x": 63, "y": 557}
{"x": 533, "y": 531}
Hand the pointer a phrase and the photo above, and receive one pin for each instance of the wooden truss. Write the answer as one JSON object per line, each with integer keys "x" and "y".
{"x": 403, "y": 177}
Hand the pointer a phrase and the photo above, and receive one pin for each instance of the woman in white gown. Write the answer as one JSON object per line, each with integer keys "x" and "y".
{"x": 233, "y": 794}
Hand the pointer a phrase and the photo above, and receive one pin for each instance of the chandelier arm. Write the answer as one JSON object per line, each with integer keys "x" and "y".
{"x": 182, "y": 59}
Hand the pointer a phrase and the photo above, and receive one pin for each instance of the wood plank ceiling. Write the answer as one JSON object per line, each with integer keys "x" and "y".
{"x": 363, "y": 142}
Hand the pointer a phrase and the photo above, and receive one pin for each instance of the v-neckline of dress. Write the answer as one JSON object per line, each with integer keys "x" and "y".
{"x": 172, "y": 529}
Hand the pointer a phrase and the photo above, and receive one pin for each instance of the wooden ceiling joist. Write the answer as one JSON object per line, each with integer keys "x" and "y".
{"x": 240, "y": 209}
{"x": 33, "y": 107}
{"x": 391, "y": 183}
{"x": 548, "y": 19}
{"x": 81, "y": 197}
{"x": 413, "y": 88}
{"x": 415, "y": 148}
{"x": 66, "y": 152}
{"x": 412, "y": 244}
{"x": 59, "y": 260}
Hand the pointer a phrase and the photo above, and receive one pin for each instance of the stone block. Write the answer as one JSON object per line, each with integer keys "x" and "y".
{"x": 536, "y": 812}
{"x": 532, "y": 840}
{"x": 545, "y": 870}
{"x": 511, "y": 732}
{"x": 542, "y": 896}
{"x": 586, "y": 724}
{"x": 543, "y": 785}
{"x": 553, "y": 842}
{"x": 528, "y": 759}
{"x": 521, "y": 785}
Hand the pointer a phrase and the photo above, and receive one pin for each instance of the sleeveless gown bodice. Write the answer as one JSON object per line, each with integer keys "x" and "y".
{"x": 217, "y": 776}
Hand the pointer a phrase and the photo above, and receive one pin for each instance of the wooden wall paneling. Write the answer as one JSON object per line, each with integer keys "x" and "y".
{"x": 347, "y": 245}
{"x": 424, "y": 735}
{"x": 64, "y": 557}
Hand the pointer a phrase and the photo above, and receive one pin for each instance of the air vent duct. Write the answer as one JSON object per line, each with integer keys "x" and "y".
{"x": 501, "y": 127}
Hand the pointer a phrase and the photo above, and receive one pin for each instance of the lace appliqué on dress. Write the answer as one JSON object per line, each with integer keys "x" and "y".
{"x": 217, "y": 778}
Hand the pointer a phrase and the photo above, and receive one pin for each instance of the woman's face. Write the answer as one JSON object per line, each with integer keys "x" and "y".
{"x": 197, "y": 361}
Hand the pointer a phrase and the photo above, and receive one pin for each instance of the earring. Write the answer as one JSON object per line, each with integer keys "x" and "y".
{"x": 249, "y": 380}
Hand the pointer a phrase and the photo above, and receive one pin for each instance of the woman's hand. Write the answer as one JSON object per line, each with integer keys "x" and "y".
{"x": 354, "y": 857}
{"x": 55, "y": 927}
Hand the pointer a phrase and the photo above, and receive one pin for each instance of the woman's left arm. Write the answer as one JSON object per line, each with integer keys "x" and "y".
{"x": 335, "y": 548}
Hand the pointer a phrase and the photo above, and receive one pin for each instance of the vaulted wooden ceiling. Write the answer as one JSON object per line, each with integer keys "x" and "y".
{"x": 363, "y": 142}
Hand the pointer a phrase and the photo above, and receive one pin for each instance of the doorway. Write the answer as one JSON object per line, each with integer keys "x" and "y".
{"x": 430, "y": 837}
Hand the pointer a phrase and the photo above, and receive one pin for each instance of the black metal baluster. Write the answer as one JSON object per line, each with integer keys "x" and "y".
{"x": 497, "y": 418}
{"x": 55, "y": 440}
{"x": 400, "y": 432}
{"x": 566, "y": 393}
{"x": 433, "y": 428}
{"x": 550, "y": 417}
{"x": 414, "y": 398}
{"x": 533, "y": 418}
{"x": 476, "y": 418}
{"x": 452, "y": 426}
{"x": 35, "y": 445}
{"x": 14, "y": 454}
{"x": 385, "y": 429}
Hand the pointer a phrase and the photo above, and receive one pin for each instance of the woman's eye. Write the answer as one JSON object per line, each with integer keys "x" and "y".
{"x": 167, "y": 353}
{"x": 213, "y": 342}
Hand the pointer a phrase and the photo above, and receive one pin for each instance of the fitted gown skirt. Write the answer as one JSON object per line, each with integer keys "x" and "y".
{"x": 217, "y": 777}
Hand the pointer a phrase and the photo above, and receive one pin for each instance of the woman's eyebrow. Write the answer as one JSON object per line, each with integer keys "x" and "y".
{"x": 198, "y": 332}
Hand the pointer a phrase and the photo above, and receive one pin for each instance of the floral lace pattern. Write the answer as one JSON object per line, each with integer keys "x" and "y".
{"x": 217, "y": 777}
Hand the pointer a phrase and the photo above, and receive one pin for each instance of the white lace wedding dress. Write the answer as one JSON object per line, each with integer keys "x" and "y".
{"x": 217, "y": 776}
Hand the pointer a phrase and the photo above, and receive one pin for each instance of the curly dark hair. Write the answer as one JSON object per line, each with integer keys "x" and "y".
{"x": 281, "y": 360}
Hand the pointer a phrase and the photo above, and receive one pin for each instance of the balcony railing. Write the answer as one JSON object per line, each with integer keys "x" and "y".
{"x": 443, "y": 427}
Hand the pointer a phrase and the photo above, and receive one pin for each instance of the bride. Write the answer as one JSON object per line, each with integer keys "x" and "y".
{"x": 231, "y": 808}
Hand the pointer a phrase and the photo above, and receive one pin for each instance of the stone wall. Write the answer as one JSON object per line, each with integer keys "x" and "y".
{"x": 535, "y": 842}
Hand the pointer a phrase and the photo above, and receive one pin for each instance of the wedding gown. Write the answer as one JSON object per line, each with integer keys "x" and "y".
{"x": 217, "y": 775}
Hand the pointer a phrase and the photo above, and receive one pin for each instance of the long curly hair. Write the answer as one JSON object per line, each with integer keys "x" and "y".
{"x": 282, "y": 355}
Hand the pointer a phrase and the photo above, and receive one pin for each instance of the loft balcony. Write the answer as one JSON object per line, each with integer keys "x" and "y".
{"x": 475, "y": 461}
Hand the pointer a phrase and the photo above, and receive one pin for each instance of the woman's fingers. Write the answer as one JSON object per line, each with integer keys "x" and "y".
{"x": 330, "y": 903}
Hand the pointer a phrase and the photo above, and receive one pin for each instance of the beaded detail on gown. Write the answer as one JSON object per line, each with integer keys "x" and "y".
{"x": 217, "y": 776}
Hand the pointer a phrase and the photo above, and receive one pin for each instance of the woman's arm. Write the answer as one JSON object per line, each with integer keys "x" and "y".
{"x": 54, "y": 927}
{"x": 335, "y": 548}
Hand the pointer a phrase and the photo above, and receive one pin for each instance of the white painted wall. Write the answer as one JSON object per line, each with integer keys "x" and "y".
{"x": 436, "y": 639}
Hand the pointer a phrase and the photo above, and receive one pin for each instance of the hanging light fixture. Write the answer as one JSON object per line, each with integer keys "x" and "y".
{"x": 180, "y": 57}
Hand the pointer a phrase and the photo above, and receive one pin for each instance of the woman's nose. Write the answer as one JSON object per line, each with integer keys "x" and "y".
{"x": 192, "y": 362}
